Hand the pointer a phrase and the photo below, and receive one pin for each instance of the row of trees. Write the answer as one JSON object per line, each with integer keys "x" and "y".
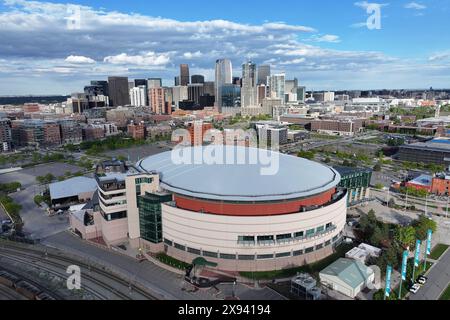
{"x": 10, "y": 187}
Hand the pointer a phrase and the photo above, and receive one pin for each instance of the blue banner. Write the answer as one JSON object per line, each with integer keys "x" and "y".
{"x": 387, "y": 291}
{"x": 417, "y": 255}
{"x": 404, "y": 264}
{"x": 429, "y": 235}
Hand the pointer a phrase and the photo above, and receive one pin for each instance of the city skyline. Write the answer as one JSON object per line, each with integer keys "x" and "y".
{"x": 323, "y": 49}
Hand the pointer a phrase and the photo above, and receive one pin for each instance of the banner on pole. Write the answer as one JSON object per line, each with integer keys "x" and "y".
{"x": 417, "y": 255}
{"x": 387, "y": 291}
{"x": 429, "y": 235}
{"x": 404, "y": 264}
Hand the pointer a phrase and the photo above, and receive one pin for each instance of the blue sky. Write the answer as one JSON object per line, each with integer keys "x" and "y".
{"x": 317, "y": 41}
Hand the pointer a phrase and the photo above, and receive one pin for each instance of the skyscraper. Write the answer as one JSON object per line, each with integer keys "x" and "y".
{"x": 195, "y": 91}
{"x": 154, "y": 83}
{"x": 197, "y": 78}
{"x": 248, "y": 90}
{"x": 276, "y": 85}
{"x": 263, "y": 73}
{"x": 138, "y": 96}
{"x": 184, "y": 74}
{"x": 118, "y": 91}
{"x": 223, "y": 75}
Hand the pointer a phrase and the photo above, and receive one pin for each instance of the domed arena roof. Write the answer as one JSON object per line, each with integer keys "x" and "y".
{"x": 260, "y": 175}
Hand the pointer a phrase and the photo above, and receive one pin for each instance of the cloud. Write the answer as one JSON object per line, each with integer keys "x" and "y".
{"x": 147, "y": 59}
{"x": 192, "y": 55}
{"x": 365, "y": 5}
{"x": 440, "y": 56}
{"x": 415, "y": 6}
{"x": 326, "y": 38}
{"x": 38, "y": 42}
{"x": 79, "y": 59}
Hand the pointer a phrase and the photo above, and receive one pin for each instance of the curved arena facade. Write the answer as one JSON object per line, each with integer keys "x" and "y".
{"x": 231, "y": 214}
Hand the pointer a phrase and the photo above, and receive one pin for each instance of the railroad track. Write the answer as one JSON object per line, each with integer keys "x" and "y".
{"x": 56, "y": 260}
{"x": 9, "y": 294}
{"x": 14, "y": 257}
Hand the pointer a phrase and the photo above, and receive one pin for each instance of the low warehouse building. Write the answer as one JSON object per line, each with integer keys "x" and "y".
{"x": 71, "y": 191}
{"x": 347, "y": 276}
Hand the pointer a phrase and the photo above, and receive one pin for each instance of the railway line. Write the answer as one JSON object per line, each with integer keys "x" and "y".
{"x": 95, "y": 276}
{"x": 9, "y": 294}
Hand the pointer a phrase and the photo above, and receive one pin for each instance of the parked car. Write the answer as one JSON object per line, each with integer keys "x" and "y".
{"x": 7, "y": 221}
{"x": 422, "y": 280}
{"x": 414, "y": 288}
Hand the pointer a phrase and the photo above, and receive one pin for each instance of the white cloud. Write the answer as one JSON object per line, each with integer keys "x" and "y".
{"x": 439, "y": 56}
{"x": 366, "y": 4}
{"x": 192, "y": 55}
{"x": 326, "y": 38}
{"x": 35, "y": 40}
{"x": 148, "y": 59}
{"x": 415, "y": 6}
{"x": 79, "y": 59}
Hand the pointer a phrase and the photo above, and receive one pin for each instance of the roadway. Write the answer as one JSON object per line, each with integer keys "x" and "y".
{"x": 438, "y": 280}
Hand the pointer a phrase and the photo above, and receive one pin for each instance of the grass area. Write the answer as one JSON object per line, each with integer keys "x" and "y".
{"x": 164, "y": 258}
{"x": 446, "y": 294}
{"x": 324, "y": 136}
{"x": 438, "y": 251}
{"x": 312, "y": 269}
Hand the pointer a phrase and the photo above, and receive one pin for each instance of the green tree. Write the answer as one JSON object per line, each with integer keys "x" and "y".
{"x": 422, "y": 225}
{"x": 377, "y": 167}
{"x": 405, "y": 236}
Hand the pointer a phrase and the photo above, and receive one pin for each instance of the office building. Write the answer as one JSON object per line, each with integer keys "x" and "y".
{"x": 195, "y": 91}
{"x": 263, "y": 74}
{"x": 184, "y": 74}
{"x": 223, "y": 76}
{"x": 248, "y": 90}
{"x": 118, "y": 91}
{"x": 276, "y": 86}
{"x": 138, "y": 96}
{"x": 196, "y": 78}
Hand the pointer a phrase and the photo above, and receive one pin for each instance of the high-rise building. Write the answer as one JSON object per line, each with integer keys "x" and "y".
{"x": 276, "y": 85}
{"x": 195, "y": 91}
{"x": 177, "y": 81}
{"x": 103, "y": 84}
{"x": 301, "y": 94}
{"x": 158, "y": 101}
{"x": 223, "y": 75}
{"x": 138, "y": 96}
{"x": 180, "y": 93}
{"x": 237, "y": 81}
{"x": 154, "y": 83}
{"x": 118, "y": 91}
{"x": 209, "y": 88}
{"x": 5, "y": 135}
{"x": 231, "y": 96}
{"x": 248, "y": 90}
{"x": 262, "y": 92}
{"x": 140, "y": 82}
{"x": 263, "y": 73}
{"x": 197, "y": 78}
{"x": 184, "y": 74}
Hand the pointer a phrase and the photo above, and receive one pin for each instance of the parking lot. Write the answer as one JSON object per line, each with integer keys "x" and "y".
{"x": 36, "y": 223}
{"x": 27, "y": 177}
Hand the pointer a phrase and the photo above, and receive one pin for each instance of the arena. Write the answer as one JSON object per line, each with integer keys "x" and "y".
{"x": 242, "y": 220}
